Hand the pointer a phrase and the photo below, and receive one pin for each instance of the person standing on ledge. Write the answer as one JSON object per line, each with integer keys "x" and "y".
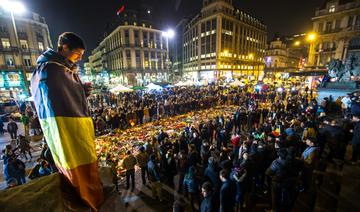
{"x": 60, "y": 101}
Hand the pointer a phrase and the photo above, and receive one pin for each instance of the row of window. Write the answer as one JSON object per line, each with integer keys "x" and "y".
{"x": 333, "y": 25}
{"x": 244, "y": 41}
{"x": 10, "y": 62}
{"x": 151, "y": 60}
{"x": 137, "y": 38}
{"x": 5, "y": 42}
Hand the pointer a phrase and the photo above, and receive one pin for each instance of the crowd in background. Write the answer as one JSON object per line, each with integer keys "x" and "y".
{"x": 231, "y": 163}
{"x": 268, "y": 149}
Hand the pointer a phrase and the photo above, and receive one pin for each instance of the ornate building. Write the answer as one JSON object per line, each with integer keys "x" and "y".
{"x": 223, "y": 41}
{"x": 279, "y": 55}
{"x": 337, "y": 24}
{"x": 133, "y": 52}
{"x": 18, "y": 54}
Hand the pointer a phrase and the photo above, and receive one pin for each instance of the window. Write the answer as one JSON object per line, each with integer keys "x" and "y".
{"x": 213, "y": 24}
{"x": 145, "y": 39}
{"x": 128, "y": 55}
{"x": 357, "y": 22}
{"x": 24, "y": 44}
{"x": 321, "y": 27}
{"x": 41, "y": 46}
{"x": 332, "y": 9}
{"x": 27, "y": 61}
{"x": 5, "y": 42}
{"x": 328, "y": 26}
{"x": 127, "y": 38}
{"x": 9, "y": 60}
{"x": 138, "y": 59}
{"x": 136, "y": 38}
{"x": 13, "y": 78}
{"x": 337, "y": 24}
{"x": 350, "y": 21}
{"x": 3, "y": 29}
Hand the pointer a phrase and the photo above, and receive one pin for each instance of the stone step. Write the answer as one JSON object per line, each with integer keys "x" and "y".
{"x": 349, "y": 194}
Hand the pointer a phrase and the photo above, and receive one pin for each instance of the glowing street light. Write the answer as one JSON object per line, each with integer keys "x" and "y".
{"x": 169, "y": 33}
{"x": 311, "y": 37}
{"x": 297, "y": 43}
{"x": 12, "y": 6}
{"x": 18, "y": 8}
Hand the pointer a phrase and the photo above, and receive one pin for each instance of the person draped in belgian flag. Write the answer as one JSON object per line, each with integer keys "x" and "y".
{"x": 60, "y": 100}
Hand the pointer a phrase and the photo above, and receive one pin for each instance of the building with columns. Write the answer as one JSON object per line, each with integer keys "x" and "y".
{"x": 133, "y": 52}
{"x": 18, "y": 54}
{"x": 223, "y": 41}
{"x": 337, "y": 25}
{"x": 280, "y": 58}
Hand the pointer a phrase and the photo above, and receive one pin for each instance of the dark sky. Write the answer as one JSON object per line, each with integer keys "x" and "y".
{"x": 89, "y": 17}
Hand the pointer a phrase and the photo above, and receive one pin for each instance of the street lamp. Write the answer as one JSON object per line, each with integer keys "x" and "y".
{"x": 13, "y": 7}
{"x": 297, "y": 43}
{"x": 169, "y": 34}
{"x": 311, "y": 38}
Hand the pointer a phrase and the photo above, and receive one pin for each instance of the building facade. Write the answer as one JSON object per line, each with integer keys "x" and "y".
{"x": 278, "y": 55}
{"x": 281, "y": 58}
{"x": 18, "y": 57}
{"x": 176, "y": 52}
{"x": 337, "y": 24}
{"x": 223, "y": 41}
{"x": 134, "y": 52}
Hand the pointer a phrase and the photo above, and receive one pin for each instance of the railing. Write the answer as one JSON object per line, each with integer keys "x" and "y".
{"x": 331, "y": 31}
{"x": 9, "y": 49}
{"x": 340, "y": 8}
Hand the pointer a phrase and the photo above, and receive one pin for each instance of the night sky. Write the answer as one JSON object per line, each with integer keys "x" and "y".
{"x": 88, "y": 18}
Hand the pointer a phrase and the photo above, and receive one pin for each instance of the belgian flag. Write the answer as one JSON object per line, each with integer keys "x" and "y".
{"x": 60, "y": 101}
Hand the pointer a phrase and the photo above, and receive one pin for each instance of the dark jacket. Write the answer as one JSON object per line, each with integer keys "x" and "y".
{"x": 278, "y": 171}
{"x": 154, "y": 174}
{"x": 213, "y": 175}
{"x": 190, "y": 184}
{"x": 356, "y": 136}
{"x": 12, "y": 127}
{"x": 227, "y": 196}
{"x": 209, "y": 204}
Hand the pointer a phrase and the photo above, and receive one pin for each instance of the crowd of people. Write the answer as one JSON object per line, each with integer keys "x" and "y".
{"x": 232, "y": 162}
{"x": 18, "y": 152}
{"x": 268, "y": 149}
{"x": 111, "y": 111}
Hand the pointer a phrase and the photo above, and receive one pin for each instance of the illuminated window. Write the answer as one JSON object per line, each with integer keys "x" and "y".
{"x": 9, "y": 60}
{"x": 5, "y": 42}
{"x": 24, "y": 44}
{"x": 332, "y": 9}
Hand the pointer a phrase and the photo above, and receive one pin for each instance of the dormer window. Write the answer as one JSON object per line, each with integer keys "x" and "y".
{"x": 332, "y": 8}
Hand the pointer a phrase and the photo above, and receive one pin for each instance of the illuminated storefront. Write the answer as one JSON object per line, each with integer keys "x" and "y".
{"x": 12, "y": 84}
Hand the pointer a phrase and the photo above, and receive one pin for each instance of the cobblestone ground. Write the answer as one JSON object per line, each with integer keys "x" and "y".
{"x": 5, "y": 140}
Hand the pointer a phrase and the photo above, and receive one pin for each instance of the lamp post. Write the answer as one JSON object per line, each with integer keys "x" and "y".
{"x": 169, "y": 34}
{"x": 311, "y": 39}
